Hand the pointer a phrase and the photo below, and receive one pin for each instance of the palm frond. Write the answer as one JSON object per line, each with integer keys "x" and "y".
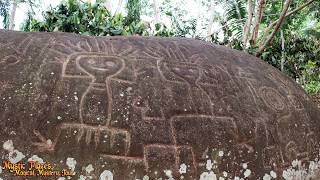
{"x": 235, "y": 17}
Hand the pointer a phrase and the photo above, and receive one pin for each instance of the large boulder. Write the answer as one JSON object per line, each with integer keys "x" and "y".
{"x": 316, "y": 99}
{"x": 146, "y": 108}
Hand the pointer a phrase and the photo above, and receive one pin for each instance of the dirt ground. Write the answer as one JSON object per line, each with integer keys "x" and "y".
{"x": 316, "y": 99}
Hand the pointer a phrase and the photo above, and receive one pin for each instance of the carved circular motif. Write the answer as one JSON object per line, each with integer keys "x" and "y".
{"x": 272, "y": 98}
{"x": 150, "y": 108}
{"x": 11, "y": 60}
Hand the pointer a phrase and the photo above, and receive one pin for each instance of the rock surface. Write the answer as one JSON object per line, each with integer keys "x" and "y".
{"x": 143, "y": 108}
{"x": 316, "y": 99}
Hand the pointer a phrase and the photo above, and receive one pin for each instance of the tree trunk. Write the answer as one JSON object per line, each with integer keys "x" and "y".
{"x": 293, "y": 11}
{"x": 282, "y": 51}
{"x": 13, "y": 14}
{"x": 156, "y": 11}
{"x": 209, "y": 30}
{"x": 258, "y": 18}
{"x": 268, "y": 39}
{"x": 248, "y": 24}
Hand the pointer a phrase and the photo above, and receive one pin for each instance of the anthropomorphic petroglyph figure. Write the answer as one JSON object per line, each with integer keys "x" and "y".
{"x": 154, "y": 108}
{"x": 99, "y": 68}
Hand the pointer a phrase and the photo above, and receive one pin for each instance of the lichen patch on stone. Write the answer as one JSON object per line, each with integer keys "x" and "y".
{"x": 15, "y": 156}
{"x": 183, "y": 169}
{"x": 36, "y": 158}
{"x": 89, "y": 169}
{"x": 208, "y": 176}
{"x": 71, "y": 163}
{"x": 106, "y": 175}
{"x": 8, "y": 146}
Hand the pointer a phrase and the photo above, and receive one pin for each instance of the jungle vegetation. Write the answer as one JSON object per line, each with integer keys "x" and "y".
{"x": 284, "y": 33}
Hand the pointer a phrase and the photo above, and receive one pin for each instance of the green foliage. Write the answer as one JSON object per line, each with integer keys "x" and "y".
{"x": 84, "y": 18}
{"x": 302, "y": 56}
{"x": 4, "y": 12}
{"x": 163, "y": 31}
{"x": 235, "y": 17}
{"x": 313, "y": 31}
{"x": 180, "y": 25}
{"x": 301, "y": 32}
{"x": 313, "y": 87}
{"x": 134, "y": 9}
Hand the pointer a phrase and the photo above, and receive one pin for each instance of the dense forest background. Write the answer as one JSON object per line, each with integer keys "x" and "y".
{"x": 284, "y": 33}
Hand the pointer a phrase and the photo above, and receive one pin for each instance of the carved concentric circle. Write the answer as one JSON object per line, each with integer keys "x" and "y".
{"x": 10, "y": 60}
{"x": 272, "y": 98}
{"x": 150, "y": 107}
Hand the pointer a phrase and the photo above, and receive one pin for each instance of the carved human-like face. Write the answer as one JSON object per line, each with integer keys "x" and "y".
{"x": 100, "y": 66}
{"x": 185, "y": 72}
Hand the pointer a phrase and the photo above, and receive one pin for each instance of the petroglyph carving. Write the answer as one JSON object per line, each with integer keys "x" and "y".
{"x": 4, "y": 86}
{"x": 184, "y": 78}
{"x": 272, "y": 158}
{"x": 96, "y": 102}
{"x": 150, "y": 106}
{"x": 272, "y": 98}
{"x": 10, "y": 60}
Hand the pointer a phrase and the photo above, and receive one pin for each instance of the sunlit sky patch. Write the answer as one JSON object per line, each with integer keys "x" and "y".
{"x": 192, "y": 7}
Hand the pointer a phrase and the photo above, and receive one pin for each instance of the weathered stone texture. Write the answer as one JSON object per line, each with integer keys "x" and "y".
{"x": 155, "y": 107}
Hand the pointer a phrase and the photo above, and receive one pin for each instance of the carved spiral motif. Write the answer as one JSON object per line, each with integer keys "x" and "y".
{"x": 10, "y": 60}
{"x": 272, "y": 98}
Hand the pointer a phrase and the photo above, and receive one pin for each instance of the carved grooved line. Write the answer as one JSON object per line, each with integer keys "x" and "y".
{"x": 145, "y": 162}
{"x": 126, "y": 52}
{"x": 15, "y": 48}
{"x": 196, "y": 83}
{"x": 18, "y": 59}
{"x": 111, "y": 47}
{"x": 5, "y": 45}
{"x": 173, "y": 132}
{"x": 128, "y": 140}
{"x": 63, "y": 46}
{"x": 82, "y": 128}
{"x": 253, "y": 93}
{"x": 126, "y": 158}
{"x": 180, "y": 54}
{"x": 97, "y": 138}
{"x": 51, "y": 39}
{"x": 88, "y": 45}
{"x": 148, "y": 119}
{"x": 175, "y": 144}
{"x": 121, "y": 80}
{"x": 58, "y": 52}
{"x": 97, "y": 44}
{"x": 77, "y": 56}
{"x": 154, "y": 54}
{"x": 110, "y": 101}
{"x": 82, "y": 103}
{"x": 176, "y": 154}
{"x": 27, "y": 40}
{"x": 80, "y": 134}
{"x": 75, "y": 47}
{"x": 151, "y": 56}
{"x": 171, "y": 53}
{"x": 205, "y": 92}
{"x": 194, "y": 161}
{"x": 88, "y": 136}
{"x": 145, "y": 152}
{"x": 95, "y": 128}
{"x": 175, "y": 147}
